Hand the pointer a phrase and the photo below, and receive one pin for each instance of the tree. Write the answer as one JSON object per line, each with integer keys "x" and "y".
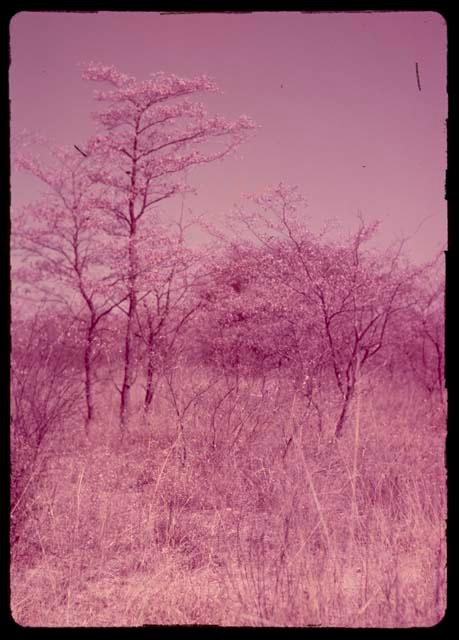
{"x": 424, "y": 339}
{"x": 168, "y": 302}
{"x": 150, "y": 134}
{"x": 348, "y": 292}
{"x": 60, "y": 252}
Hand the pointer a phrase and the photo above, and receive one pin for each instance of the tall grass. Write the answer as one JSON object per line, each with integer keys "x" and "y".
{"x": 268, "y": 521}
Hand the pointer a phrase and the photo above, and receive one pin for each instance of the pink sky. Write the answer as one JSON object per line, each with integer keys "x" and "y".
{"x": 336, "y": 96}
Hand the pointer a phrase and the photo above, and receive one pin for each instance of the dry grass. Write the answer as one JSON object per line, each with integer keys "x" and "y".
{"x": 247, "y": 529}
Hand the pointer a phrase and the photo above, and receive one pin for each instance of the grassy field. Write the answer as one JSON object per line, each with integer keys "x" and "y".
{"x": 247, "y": 516}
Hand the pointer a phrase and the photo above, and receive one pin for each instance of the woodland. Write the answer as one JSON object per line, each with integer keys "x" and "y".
{"x": 243, "y": 431}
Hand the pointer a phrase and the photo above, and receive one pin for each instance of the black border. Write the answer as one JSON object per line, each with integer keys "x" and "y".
{"x": 445, "y": 9}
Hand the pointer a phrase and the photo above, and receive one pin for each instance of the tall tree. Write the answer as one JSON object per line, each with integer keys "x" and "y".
{"x": 150, "y": 133}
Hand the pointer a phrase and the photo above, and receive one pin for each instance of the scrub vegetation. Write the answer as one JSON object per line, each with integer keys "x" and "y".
{"x": 246, "y": 433}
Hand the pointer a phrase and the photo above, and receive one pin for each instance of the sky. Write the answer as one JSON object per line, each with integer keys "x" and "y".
{"x": 335, "y": 95}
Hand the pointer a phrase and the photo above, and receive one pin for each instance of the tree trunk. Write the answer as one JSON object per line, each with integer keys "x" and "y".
{"x": 150, "y": 390}
{"x": 128, "y": 365}
{"x": 150, "y": 371}
{"x": 128, "y": 378}
{"x": 344, "y": 411}
{"x": 89, "y": 379}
